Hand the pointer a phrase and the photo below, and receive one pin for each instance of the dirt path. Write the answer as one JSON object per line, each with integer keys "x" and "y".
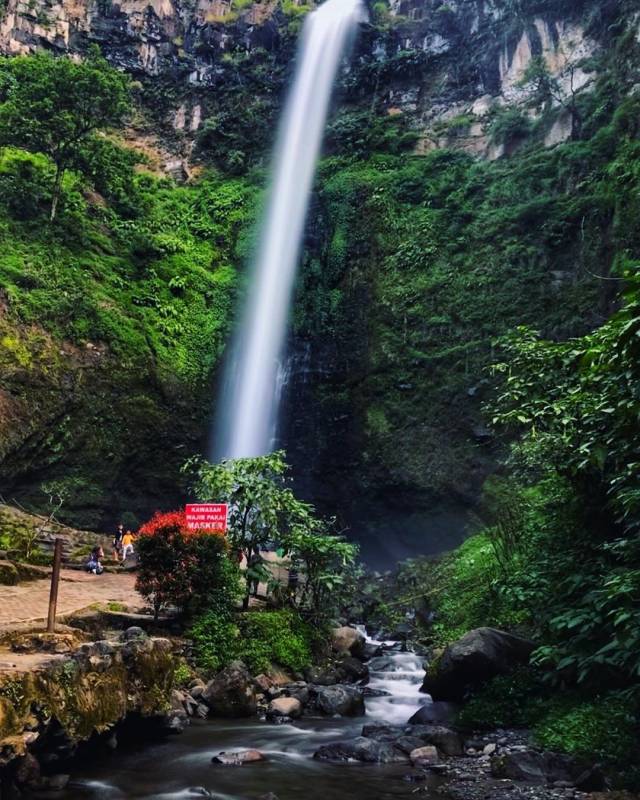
{"x": 27, "y": 602}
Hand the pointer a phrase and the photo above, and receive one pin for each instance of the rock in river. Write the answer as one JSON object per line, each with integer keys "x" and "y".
{"x": 424, "y": 756}
{"x": 348, "y": 641}
{"x": 368, "y": 751}
{"x": 344, "y": 701}
{"x": 284, "y": 707}
{"x": 238, "y": 759}
{"x": 231, "y": 693}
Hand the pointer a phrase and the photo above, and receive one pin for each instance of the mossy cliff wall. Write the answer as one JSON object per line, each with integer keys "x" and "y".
{"x": 466, "y": 189}
{"x": 53, "y": 708}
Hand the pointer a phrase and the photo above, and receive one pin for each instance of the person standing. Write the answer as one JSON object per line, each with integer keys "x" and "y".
{"x": 127, "y": 545}
{"x": 118, "y": 536}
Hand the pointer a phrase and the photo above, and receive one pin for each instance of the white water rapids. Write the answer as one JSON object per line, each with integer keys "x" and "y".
{"x": 401, "y": 678}
{"x": 249, "y": 405}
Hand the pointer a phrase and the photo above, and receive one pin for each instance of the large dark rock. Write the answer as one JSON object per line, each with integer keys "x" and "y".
{"x": 473, "y": 660}
{"x": 352, "y": 669}
{"x": 531, "y": 766}
{"x": 323, "y": 676}
{"x": 434, "y": 714}
{"x": 383, "y": 733}
{"x": 348, "y": 641}
{"x": 344, "y": 701}
{"x": 447, "y": 741}
{"x": 368, "y": 751}
{"x": 231, "y": 693}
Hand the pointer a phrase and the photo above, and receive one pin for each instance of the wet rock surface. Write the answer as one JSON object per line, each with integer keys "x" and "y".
{"x": 340, "y": 700}
{"x": 473, "y": 660}
{"x": 231, "y": 693}
{"x": 240, "y": 759}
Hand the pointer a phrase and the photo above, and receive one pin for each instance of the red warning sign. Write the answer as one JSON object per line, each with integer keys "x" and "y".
{"x": 207, "y": 517}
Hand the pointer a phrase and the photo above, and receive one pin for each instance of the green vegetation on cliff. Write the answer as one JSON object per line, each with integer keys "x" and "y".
{"x": 114, "y": 318}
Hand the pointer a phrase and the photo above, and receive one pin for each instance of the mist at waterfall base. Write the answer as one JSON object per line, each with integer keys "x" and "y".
{"x": 249, "y": 404}
{"x": 323, "y": 440}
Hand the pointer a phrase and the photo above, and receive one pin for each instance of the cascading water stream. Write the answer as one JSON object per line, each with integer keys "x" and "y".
{"x": 249, "y": 403}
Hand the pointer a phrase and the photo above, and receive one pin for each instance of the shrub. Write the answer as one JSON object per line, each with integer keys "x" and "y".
{"x": 186, "y": 569}
{"x": 516, "y": 700}
{"x": 214, "y": 636}
{"x": 509, "y": 125}
{"x": 275, "y": 637}
{"x": 466, "y": 594}
{"x": 260, "y": 639}
{"x": 602, "y": 728}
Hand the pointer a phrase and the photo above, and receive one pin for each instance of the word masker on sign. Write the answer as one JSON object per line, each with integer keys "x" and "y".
{"x": 207, "y": 517}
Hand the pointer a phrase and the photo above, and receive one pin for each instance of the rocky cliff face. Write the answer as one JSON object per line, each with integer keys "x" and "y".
{"x": 454, "y": 62}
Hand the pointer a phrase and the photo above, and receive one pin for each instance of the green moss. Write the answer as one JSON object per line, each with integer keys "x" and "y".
{"x": 125, "y": 314}
{"x": 9, "y": 722}
{"x": 603, "y": 727}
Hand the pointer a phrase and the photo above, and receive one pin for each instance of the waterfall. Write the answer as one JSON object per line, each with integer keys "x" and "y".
{"x": 248, "y": 412}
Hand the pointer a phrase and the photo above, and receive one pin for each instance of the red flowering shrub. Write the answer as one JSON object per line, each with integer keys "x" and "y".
{"x": 165, "y": 521}
{"x": 183, "y": 568}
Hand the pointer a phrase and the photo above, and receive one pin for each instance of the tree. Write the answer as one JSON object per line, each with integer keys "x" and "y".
{"x": 326, "y": 561}
{"x": 55, "y": 106}
{"x": 263, "y": 509}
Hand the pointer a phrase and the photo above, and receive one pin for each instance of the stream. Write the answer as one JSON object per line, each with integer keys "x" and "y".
{"x": 181, "y": 766}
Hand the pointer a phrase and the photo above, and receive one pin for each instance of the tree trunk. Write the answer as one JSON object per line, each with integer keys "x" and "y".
{"x": 246, "y": 599}
{"x": 57, "y": 186}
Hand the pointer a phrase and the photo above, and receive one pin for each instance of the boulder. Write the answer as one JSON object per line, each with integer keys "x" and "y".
{"x": 174, "y": 722}
{"x": 533, "y": 767}
{"x": 28, "y": 771}
{"x": 434, "y": 713}
{"x": 371, "y": 650}
{"x": 383, "y": 733}
{"x": 473, "y": 660}
{"x": 353, "y": 669}
{"x": 57, "y": 783}
{"x": 231, "y": 693}
{"x": 348, "y": 641}
{"x": 239, "y": 759}
{"x": 284, "y": 707}
{"x": 368, "y": 751}
{"x": 133, "y": 633}
{"x": 323, "y": 676}
{"x": 263, "y": 682}
{"x": 407, "y": 744}
{"x": 447, "y": 741}
{"x": 299, "y": 690}
{"x": 343, "y": 701}
{"x": 424, "y": 756}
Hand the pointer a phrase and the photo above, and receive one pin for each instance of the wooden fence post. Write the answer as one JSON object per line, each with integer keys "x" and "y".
{"x": 55, "y": 580}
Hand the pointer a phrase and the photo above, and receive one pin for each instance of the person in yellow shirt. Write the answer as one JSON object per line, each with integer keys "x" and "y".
{"x": 127, "y": 545}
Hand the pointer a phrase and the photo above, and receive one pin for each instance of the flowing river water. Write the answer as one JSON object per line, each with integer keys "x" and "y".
{"x": 181, "y": 766}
